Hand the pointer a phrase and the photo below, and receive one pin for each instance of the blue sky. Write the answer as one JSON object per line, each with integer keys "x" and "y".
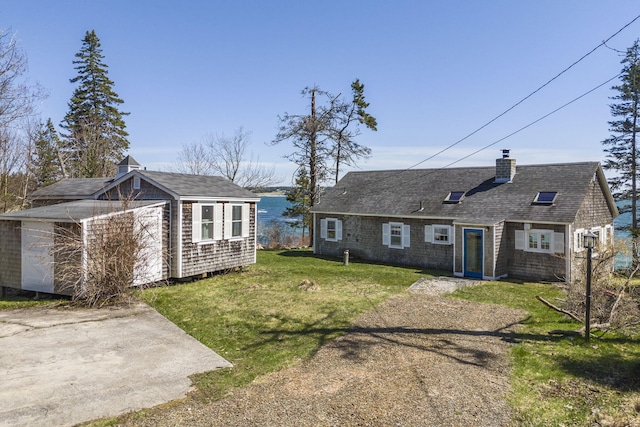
{"x": 434, "y": 71}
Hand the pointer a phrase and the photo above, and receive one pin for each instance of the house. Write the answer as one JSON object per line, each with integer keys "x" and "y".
{"x": 483, "y": 222}
{"x": 199, "y": 224}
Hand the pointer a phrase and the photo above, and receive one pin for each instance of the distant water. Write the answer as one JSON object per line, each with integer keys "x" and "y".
{"x": 623, "y": 220}
{"x": 271, "y": 208}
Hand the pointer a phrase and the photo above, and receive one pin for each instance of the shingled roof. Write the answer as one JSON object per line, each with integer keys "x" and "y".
{"x": 78, "y": 210}
{"x": 196, "y": 186}
{"x": 422, "y": 193}
{"x": 72, "y": 188}
{"x": 178, "y": 184}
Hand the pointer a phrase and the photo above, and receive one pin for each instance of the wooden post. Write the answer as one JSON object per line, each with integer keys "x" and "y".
{"x": 587, "y": 320}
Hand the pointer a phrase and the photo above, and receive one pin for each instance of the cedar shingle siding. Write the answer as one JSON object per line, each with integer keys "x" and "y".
{"x": 10, "y": 254}
{"x": 87, "y": 201}
{"x": 500, "y": 202}
{"x": 198, "y": 258}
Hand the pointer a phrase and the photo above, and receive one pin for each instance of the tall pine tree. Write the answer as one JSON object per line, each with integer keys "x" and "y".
{"x": 95, "y": 128}
{"x": 622, "y": 147}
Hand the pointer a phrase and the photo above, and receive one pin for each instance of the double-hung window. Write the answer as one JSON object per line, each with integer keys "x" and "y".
{"x": 236, "y": 221}
{"x": 396, "y": 235}
{"x": 206, "y": 222}
{"x": 331, "y": 229}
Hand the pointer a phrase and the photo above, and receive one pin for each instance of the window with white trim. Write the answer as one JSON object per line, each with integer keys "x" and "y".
{"x": 236, "y": 220}
{"x": 438, "y": 234}
{"x": 537, "y": 240}
{"x": 396, "y": 235}
{"x": 206, "y": 222}
{"x": 136, "y": 182}
{"x": 603, "y": 236}
{"x": 331, "y": 229}
{"x": 578, "y": 240}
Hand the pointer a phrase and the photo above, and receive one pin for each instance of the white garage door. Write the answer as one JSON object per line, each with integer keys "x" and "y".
{"x": 37, "y": 262}
{"x": 148, "y": 268}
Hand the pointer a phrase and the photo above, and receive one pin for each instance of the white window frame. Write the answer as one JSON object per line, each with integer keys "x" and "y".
{"x": 229, "y": 221}
{"x": 325, "y": 231}
{"x": 604, "y": 235}
{"x": 433, "y": 233}
{"x": 578, "y": 240}
{"x": 196, "y": 217}
{"x": 236, "y": 220}
{"x": 555, "y": 241}
{"x": 405, "y": 235}
{"x": 136, "y": 182}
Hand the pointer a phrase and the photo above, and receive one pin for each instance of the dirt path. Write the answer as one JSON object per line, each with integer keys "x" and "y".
{"x": 418, "y": 359}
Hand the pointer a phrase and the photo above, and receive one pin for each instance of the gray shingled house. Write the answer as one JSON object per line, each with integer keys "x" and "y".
{"x": 482, "y": 222}
{"x": 203, "y": 223}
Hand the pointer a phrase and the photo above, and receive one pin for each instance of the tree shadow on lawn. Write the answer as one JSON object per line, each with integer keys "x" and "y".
{"x": 306, "y": 253}
{"x": 356, "y": 343}
{"x": 609, "y": 370}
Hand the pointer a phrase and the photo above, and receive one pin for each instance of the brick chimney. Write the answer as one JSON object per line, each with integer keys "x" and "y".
{"x": 505, "y": 168}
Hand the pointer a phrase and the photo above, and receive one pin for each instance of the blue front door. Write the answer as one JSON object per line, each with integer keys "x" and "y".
{"x": 473, "y": 253}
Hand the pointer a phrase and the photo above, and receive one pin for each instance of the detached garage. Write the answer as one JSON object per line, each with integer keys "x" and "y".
{"x": 30, "y": 254}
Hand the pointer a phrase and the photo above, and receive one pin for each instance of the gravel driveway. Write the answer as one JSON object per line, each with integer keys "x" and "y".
{"x": 418, "y": 359}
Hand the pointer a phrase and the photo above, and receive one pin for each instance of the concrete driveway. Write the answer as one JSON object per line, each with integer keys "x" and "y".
{"x": 66, "y": 366}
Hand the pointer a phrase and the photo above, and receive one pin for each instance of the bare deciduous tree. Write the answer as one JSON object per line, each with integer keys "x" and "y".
{"x": 615, "y": 302}
{"x": 229, "y": 157}
{"x": 193, "y": 159}
{"x": 17, "y": 96}
{"x": 17, "y": 105}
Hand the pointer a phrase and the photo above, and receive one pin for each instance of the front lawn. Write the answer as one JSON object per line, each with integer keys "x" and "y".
{"x": 560, "y": 381}
{"x": 275, "y": 313}
{"x": 281, "y": 310}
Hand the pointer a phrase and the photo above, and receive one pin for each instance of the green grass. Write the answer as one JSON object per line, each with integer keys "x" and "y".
{"x": 12, "y": 302}
{"x": 261, "y": 321}
{"x": 560, "y": 381}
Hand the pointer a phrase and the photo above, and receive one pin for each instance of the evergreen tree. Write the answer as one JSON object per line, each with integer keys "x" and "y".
{"x": 345, "y": 150}
{"x": 324, "y": 138}
{"x": 46, "y": 164}
{"x": 621, "y": 147}
{"x": 96, "y": 136}
{"x": 300, "y": 199}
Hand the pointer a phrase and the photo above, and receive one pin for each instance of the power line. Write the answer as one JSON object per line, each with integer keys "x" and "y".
{"x": 535, "y": 121}
{"x": 430, "y": 171}
{"x": 528, "y": 96}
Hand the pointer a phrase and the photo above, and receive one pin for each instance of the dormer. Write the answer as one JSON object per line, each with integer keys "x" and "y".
{"x": 127, "y": 165}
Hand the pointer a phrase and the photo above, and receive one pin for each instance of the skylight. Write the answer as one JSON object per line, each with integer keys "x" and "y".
{"x": 545, "y": 197}
{"x": 455, "y": 197}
